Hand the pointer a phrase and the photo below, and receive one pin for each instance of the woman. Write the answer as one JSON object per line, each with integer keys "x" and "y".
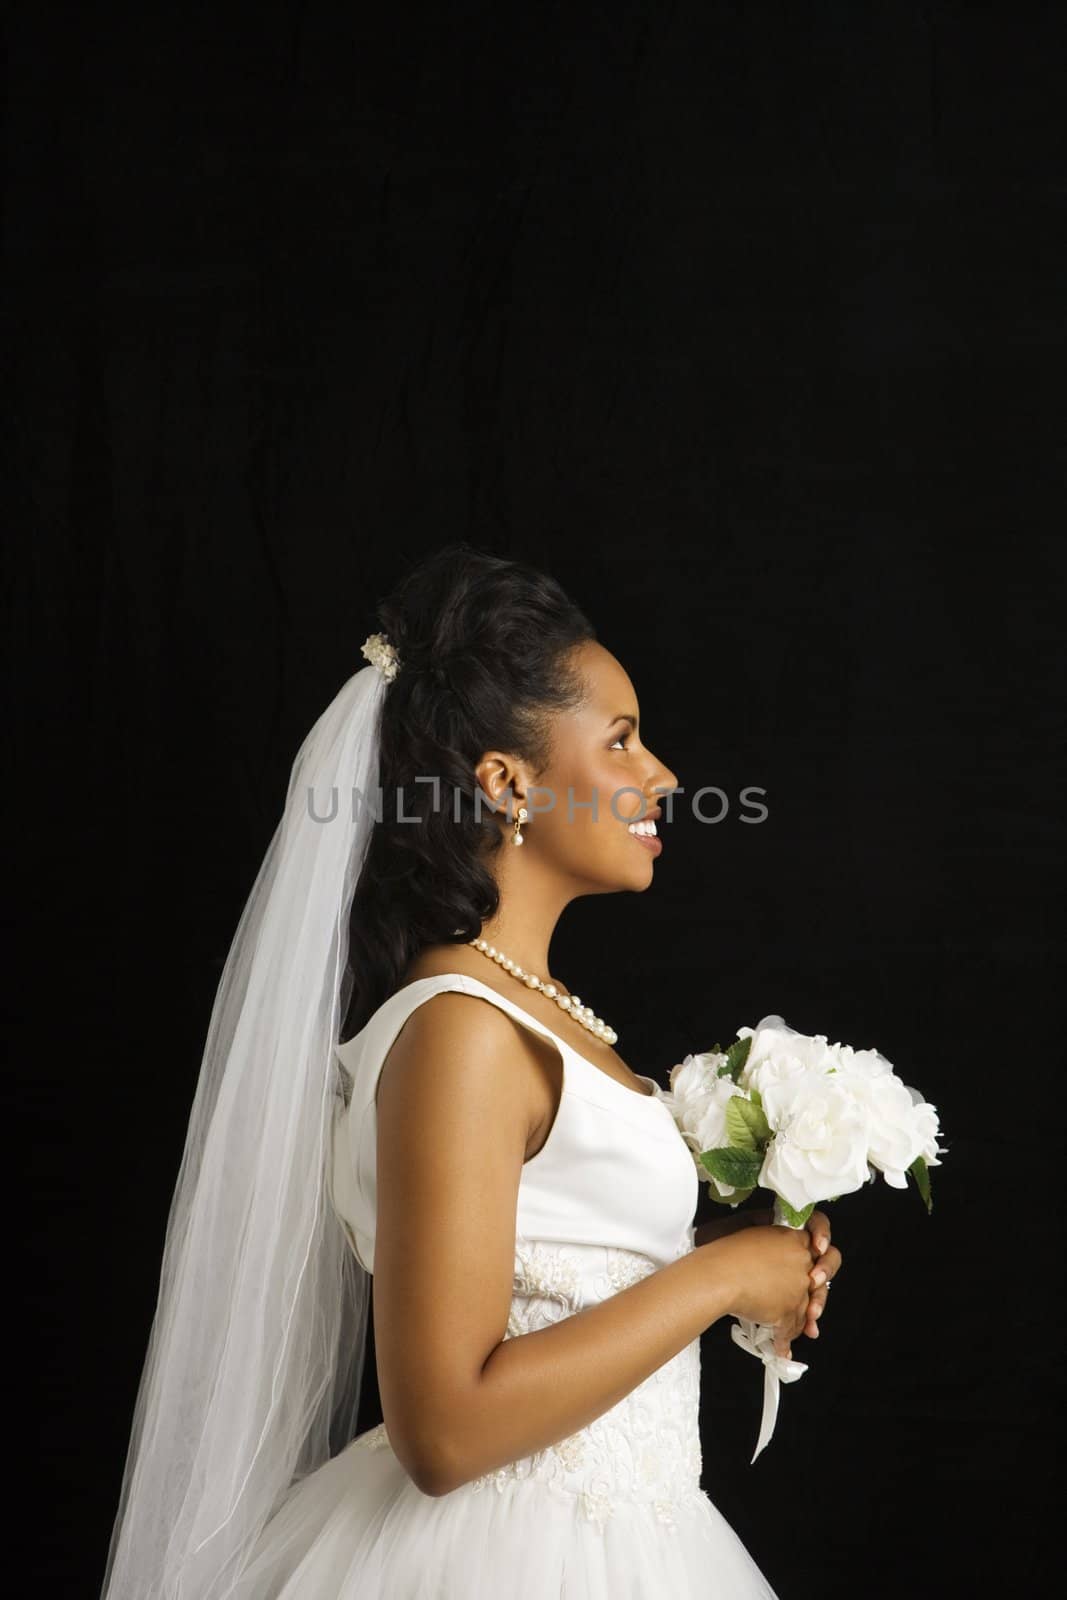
{"x": 521, "y": 1196}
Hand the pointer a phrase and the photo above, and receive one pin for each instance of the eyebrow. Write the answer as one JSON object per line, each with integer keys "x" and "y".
{"x": 624, "y": 716}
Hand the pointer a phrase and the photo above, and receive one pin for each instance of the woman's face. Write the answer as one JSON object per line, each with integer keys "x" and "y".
{"x": 598, "y": 754}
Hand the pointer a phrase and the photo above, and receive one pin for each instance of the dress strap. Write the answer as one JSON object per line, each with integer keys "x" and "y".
{"x": 365, "y": 1052}
{"x": 361, "y": 1057}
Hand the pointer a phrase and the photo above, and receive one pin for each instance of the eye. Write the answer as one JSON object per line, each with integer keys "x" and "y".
{"x": 619, "y": 740}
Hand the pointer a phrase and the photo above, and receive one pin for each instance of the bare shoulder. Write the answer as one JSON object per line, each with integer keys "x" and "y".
{"x": 456, "y": 1042}
{"x": 459, "y": 1057}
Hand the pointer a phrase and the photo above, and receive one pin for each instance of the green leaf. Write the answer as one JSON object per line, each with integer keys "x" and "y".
{"x": 739, "y": 1167}
{"x": 734, "y": 1199}
{"x": 921, "y": 1173}
{"x": 737, "y": 1055}
{"x": 756, "y": 1097}
{"x": 746, "y": 1126}
{"x": 796, "y": 1219}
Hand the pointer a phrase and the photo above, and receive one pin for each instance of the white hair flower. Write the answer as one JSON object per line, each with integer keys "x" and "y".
{"x": 381, "y": 654}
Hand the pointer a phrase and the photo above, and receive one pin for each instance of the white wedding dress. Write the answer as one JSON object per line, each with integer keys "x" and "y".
{"x": 614, "y": 1511}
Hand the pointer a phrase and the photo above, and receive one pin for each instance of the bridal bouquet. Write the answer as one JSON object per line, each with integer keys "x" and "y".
{"x": 808, "y": 1120}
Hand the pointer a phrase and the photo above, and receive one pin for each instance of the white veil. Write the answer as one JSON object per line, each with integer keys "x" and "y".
{"x": 256, "y": 1351}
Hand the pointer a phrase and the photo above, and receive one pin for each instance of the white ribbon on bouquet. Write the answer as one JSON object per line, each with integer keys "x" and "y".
{"x": 758, "y": 1339}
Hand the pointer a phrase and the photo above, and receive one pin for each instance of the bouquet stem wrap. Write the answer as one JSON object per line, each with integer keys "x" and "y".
{"x": 758, "y": 1339}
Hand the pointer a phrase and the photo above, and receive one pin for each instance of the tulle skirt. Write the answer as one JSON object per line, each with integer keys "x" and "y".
{"x": 359, "y": 1529}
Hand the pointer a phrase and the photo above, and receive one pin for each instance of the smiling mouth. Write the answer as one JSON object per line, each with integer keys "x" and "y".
{"x": 645, "y": 834}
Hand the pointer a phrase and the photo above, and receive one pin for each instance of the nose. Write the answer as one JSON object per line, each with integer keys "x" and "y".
{"x": 661, "y": 781}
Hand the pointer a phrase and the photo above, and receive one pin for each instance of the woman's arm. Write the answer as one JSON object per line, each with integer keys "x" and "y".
{"x": 456, "y": 1102}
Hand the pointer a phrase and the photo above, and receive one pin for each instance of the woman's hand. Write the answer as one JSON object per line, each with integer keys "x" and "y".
{"x": 765, "y": 1277}
{"x": 826, "y": 1258}
{"x": 827, "y": 1266}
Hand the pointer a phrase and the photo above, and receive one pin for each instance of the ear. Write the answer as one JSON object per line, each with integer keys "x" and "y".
{"x": 502, "y": 779}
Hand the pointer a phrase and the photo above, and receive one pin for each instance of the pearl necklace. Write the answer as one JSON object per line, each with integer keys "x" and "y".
{"x": 566, "y": 1002}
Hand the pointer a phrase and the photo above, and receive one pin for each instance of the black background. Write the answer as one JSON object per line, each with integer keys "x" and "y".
{"x": 747, "y": 322}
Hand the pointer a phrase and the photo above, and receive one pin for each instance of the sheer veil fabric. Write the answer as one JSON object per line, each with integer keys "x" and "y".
{"x": 256, "y": 1351}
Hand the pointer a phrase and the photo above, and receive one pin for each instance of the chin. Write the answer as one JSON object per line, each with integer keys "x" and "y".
{"x": 634, "y": 876}
{"x": 638, "y": 879}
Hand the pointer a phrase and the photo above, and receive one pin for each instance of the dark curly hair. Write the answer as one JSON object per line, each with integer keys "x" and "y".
{"x": 483, "y": 645}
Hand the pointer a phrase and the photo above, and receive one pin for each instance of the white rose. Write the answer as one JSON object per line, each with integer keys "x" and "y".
{"x": 819, "y": 1149}
{"x": 706, "y": 1119}
{"x": 862, "y": 1063}
{"x": 697, "y": 1100}
{"x": 695, "y": 1074}
{"x": 785, "y": 1075}
{"x": 902, "y": 1126}
{"x": 774, "y": 1042}
{"x": 892, "y": 1128}
{"x": 928, "y": 1126}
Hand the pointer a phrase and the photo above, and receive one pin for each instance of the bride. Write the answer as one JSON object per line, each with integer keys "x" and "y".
{"x": 395, "y": 1085}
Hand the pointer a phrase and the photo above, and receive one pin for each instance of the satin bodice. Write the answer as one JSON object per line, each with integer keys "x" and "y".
{"x": 614, "y": 1169}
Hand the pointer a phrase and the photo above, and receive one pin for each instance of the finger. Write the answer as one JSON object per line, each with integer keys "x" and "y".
{"x": 819, "y": 1228}
{"x": 827, "y": 1267}
{"x": 798, "y": 1322}
{"x": 816, "y": 1307}
{"x": 820, "y": 1277}
{"x": 783, "y": 1343}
